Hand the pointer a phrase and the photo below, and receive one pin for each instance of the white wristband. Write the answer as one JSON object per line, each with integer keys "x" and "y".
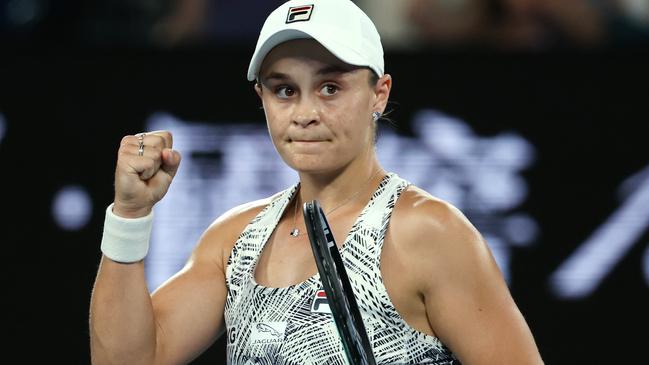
{"x": 126, "y": 240}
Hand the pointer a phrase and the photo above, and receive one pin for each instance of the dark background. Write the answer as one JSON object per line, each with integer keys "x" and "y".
{"x": 67, "y": 103}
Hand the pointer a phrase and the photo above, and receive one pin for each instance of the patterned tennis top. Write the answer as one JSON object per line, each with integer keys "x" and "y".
{"x": 294, "y": 325}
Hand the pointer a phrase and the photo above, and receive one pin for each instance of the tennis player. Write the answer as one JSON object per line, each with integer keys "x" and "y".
{"x": 425, "y": 280}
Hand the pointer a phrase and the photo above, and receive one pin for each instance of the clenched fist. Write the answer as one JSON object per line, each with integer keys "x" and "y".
{"x": 146, "y": 164}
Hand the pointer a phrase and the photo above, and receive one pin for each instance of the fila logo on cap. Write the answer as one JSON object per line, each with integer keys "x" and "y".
{"x": 299, "y": 14}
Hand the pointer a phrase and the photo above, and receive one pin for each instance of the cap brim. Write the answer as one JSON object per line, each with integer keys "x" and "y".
{"x": 351, "y": 57}
{"x": 270, "y": 43}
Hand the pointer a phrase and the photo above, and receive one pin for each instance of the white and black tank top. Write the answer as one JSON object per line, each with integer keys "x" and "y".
{"x": 293, "y": 325}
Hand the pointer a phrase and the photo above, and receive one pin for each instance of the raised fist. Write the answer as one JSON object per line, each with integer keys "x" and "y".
{"x": 146, "y": 164}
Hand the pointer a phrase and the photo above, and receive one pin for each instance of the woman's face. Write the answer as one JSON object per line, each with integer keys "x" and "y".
{"x": 319, "y": 109}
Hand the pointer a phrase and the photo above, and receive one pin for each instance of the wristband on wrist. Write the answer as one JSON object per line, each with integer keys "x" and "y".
{"x": 126, "y": 240}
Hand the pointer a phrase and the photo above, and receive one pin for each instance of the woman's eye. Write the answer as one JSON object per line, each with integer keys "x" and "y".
{"x": 284, "y": 92}
{"x": 329, "y": 90}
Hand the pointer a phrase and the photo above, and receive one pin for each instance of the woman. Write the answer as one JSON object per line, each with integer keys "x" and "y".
{"x": 425, "y": 281}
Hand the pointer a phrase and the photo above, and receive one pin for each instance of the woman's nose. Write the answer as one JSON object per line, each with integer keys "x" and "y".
{"x": 305, "y": 113}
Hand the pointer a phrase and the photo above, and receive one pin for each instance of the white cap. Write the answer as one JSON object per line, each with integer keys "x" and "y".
{"x": 338, "y": 25}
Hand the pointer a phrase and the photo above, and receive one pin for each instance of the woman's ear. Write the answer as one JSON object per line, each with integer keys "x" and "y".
{"x": 258, "y": 88}
{"x": 382, "y": 92}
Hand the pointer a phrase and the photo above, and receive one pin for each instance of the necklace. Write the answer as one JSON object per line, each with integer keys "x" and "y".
{"x": 296, "y": 231}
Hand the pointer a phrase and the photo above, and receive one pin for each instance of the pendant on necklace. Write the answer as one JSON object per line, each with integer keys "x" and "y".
{"x": 295, "y": 232}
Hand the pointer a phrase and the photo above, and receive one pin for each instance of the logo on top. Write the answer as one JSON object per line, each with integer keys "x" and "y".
{"x": 265, "y": 333}
{"x": 299, "y": 14}
{"x": 320, "y": 304}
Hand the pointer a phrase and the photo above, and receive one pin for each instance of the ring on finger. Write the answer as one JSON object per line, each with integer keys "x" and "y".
{"x": 140, "y": 138}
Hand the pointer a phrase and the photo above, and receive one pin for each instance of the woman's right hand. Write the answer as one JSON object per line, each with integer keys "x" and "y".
{"x": 142, "y": 181}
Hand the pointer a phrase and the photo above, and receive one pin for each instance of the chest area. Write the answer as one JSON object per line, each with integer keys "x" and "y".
{"x": 287, "y": 260}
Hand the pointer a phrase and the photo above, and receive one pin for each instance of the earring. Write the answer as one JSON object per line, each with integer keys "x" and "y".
{"x": 376, "y": 116}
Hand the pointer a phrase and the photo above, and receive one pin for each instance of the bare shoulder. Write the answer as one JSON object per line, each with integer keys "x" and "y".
{"x": 219, "y": 238}
{"x": 439, "y": 239}
{"x": 418, "y": 215}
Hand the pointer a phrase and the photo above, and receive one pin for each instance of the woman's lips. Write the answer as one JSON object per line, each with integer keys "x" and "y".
{"x": 306, "y": 139}
{"x": 307, "y": 144}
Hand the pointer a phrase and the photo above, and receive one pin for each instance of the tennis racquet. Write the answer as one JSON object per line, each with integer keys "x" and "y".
{"x": 337, "y": 286}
